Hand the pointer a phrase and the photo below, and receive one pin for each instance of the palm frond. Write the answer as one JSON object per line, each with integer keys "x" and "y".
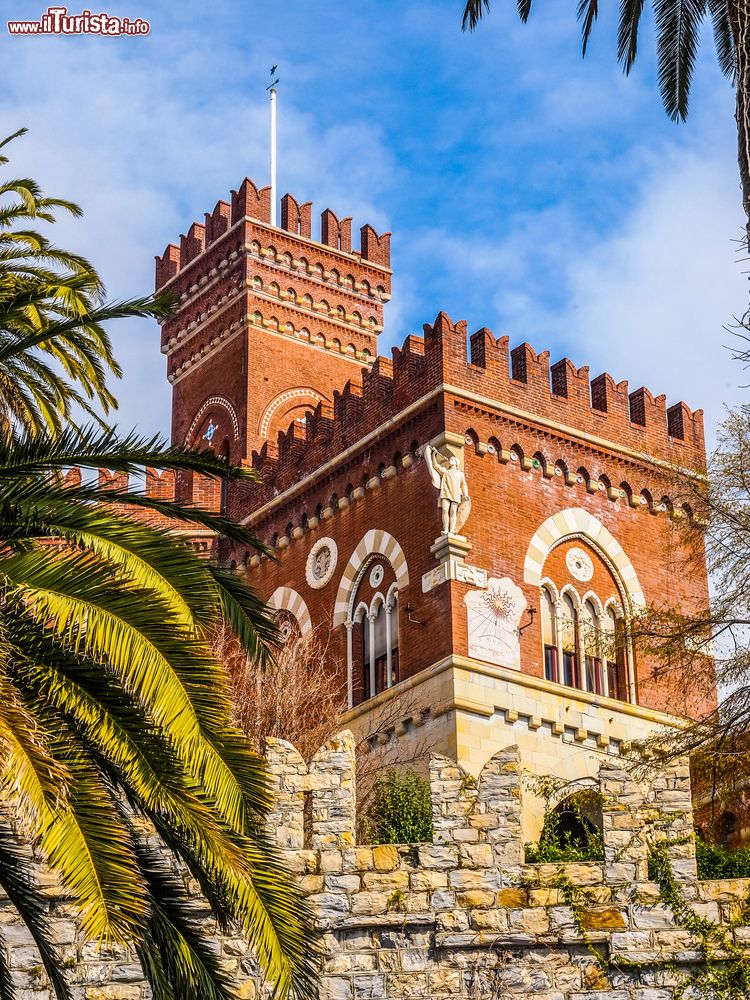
{"x": 588, "y": 11}
{"x": 249, "y": 618}
{"x": 87, "y": 842}
{"x": 628, "y": 31}
{"x": 7, "y": 986}
{"x": 474, "y": 11}
{"x": 18, "y": 879}
{"x": 266, "y": 907}
{"x": 678, "y": 25}
{"x": 8, "y": 139}
{"x": 178, "y": 960}
{"x": 160, "y": 663}
{"x": 51, "y": 303}
{"x": 723, "y": 38}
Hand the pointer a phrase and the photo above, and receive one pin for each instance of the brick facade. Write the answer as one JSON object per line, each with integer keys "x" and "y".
{"x": 272, "y": 356}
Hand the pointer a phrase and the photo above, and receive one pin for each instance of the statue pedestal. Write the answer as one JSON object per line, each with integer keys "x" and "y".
{"x": 450, "y": 552}
{"x": 451, "y": 548}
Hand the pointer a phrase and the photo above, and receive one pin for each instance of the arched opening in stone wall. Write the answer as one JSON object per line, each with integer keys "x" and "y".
{"x": 572, "y": 830}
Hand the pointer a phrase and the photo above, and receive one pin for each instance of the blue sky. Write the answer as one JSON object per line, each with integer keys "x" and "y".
{"x": 544, "y": 196}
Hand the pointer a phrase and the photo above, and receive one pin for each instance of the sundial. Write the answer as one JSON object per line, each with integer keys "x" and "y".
{"x": 493, "y": 616}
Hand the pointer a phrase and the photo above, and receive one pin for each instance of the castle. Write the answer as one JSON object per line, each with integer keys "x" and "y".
{"x": 474, "y": 530}
{"x": 473, "y": 527}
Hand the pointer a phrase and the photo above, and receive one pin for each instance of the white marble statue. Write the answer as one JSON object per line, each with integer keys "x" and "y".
{"x": 453, "y": 494}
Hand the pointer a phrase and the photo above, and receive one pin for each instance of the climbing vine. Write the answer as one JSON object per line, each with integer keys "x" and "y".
{"x": 724, "y": 968}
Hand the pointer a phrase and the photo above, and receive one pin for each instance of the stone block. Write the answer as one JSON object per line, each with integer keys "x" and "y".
{"x": 385, "y": 858}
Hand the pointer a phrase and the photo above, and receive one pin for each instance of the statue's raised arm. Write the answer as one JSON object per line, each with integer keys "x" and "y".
{"x": 436, "y": 473}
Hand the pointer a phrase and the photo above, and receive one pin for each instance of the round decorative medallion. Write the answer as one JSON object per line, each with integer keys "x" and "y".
{"x": 321, "y": 563}
{"x": 286, "y": 630}
{"x": 376, "y": 576}
{"x": 580, "y": 565}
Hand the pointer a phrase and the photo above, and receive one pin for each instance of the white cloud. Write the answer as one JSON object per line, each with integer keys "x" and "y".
{"x": 646, "y": 300}
{"x": 148, "y": 137}
{"x": 649, "y": 302}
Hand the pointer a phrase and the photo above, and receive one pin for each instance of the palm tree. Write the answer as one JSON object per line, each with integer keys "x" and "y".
{"x": 45, "y": 290}
{"x": 119, "y": 757}
{"x": 678, "y": 29}
{"x": 115, "y": 717}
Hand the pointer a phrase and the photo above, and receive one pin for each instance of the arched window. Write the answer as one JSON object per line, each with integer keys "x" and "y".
{"x": 591, "y": 634}
{"x": 374, "y": 645}
{"x": 726, "y": 829}
{"x": 613, "y": 649}
{"x": 549, "y": 636}
{"x": 585, "y": 641}
{"x": 568, "y": 626}
{"x": 395, "y": 675}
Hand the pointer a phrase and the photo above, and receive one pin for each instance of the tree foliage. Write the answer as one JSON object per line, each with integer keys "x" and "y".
{"x": 678, "y": 29}
{"x": 55, "y": 355}
{"x": 716, "y": 861}
{"x": 298, "y": 699}
{"x": 706, "y": 649}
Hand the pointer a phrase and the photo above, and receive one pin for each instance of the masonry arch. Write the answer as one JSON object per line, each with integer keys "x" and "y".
{"x": 375, "y": 542}
{"x": 206, "y": 405}
{"x": 286, "y": 599}
{"x": 576, "y": 521}
{"x": 288, "y": 405}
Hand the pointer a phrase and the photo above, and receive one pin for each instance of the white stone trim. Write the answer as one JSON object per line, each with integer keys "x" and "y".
{"x": 576, "y": 521}
{"x": 375, "y": 543}
{"x": 287, "y": 396}
{"x": 286, "y": 599}
{"x": 206, "y": 405}
{"x": 312, "y": 580}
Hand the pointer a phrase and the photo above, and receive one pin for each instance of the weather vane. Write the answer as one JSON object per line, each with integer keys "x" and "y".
{"x": 273, "y": 74}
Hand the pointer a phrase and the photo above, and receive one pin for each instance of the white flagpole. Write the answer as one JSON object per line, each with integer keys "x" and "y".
{"x": 273, "y": 155}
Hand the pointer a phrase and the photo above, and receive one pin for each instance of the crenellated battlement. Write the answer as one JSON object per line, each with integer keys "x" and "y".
{"x": 254, "y": 204}
{"x": 187, "y": 489}
{"x": 493, "y": 378}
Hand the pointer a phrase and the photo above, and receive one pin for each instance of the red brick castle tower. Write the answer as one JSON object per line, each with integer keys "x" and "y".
{"x": 270, "y": 321}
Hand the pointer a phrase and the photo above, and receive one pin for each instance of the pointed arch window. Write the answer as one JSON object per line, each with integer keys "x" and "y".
{"x": 585, "y": 646}
{"x": 591, "y": 636}
{"x": 373, "y": 649}
{"x": 614, "y": 652}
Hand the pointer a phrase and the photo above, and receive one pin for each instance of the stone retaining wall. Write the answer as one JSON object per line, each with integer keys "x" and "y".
{"x": 462, "y": 917}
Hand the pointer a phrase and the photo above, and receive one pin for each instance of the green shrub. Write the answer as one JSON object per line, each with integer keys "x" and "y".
{"x": 712, "y": 860}
{"x": 559, "y": 845}
{"x": 401, "y": 810}
{"x": 716, "y": 861}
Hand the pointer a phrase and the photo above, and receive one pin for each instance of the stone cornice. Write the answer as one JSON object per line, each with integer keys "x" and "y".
{"x": 455, "y": 661}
